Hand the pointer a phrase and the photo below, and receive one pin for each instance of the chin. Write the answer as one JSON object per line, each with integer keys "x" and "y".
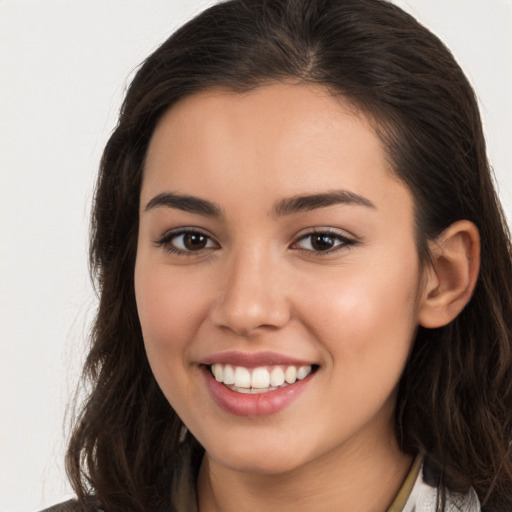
{"x": 257, "y": 457}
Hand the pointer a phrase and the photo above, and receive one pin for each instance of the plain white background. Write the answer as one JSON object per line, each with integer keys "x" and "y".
{"x": 64, "y": 66}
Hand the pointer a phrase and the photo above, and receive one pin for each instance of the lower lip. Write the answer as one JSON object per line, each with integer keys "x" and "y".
{"x": 258, "y": 404}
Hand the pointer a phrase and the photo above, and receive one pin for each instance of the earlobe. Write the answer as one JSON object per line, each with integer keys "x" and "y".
{"x": 451, "y": 279}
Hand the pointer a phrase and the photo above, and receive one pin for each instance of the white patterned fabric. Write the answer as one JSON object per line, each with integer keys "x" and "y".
{"x": 424, "y": 498}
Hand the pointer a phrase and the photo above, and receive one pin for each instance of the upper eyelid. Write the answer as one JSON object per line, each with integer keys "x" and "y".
{"x": 166, "y": 242}
{"x": 183, "y": 230}
{"x": 345, "y": 240}
{"x": 326, "y": 230}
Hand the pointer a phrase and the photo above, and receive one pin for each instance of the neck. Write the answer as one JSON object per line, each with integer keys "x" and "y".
{"x": 346, "y": 479}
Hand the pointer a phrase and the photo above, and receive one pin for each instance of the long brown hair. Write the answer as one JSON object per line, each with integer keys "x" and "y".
{"x": 455, "y": 396}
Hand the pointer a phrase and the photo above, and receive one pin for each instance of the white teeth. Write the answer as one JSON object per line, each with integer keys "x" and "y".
{"x": 253, "y": 391}
{"x": 218, "y": 372}
{"x": 303, "y": 372}
{"x": 242, "y": 377}
{"x": 229, "y": 375}
{"x": 290, "y": 375}
{"x": 277, "y": 376}
{"x": 258, "y": 380}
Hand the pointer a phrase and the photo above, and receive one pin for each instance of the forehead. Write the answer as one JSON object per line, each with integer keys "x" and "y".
{"x": 280, "y": 139}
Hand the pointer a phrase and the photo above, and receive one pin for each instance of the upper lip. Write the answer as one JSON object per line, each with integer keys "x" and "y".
{"x": 253, "y": 360}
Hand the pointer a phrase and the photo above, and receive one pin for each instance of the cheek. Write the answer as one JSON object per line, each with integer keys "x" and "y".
{"x": 171, "y": 308}
{"x": 368, "y": 313}
{"x": 366, "y": 323}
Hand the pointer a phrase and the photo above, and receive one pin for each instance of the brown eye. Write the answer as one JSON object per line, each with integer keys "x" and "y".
{"x": 186, "y": 242}
{"x": 194, "y": 241}
{"x": 323, "y": 242}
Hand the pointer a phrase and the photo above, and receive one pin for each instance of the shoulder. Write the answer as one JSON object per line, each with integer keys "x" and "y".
{"x": 72, "y": 506}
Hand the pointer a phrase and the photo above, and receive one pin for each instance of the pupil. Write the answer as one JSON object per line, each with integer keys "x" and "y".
{"x": 194, "y": 241}
{"x": 322, "y": 242}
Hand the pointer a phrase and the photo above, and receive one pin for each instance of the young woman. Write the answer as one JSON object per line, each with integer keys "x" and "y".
{"x": 304, "y": 275}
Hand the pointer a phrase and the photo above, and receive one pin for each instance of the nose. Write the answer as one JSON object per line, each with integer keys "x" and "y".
{"x": 253, "y": 295}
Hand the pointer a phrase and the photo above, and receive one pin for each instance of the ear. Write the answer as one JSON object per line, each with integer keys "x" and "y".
{"x": 451, "y": 279}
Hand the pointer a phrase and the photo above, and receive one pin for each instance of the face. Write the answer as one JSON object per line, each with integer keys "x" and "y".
{"x": 277, "y": 278}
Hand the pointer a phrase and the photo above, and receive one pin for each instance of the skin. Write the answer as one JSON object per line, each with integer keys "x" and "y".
{"x": 258, "y": 286}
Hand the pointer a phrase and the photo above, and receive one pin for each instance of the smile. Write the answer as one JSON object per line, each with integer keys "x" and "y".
{"x": 262, "y": 379}
{"x": 256, "y": 384}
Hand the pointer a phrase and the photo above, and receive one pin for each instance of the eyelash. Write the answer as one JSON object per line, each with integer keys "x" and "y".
{"x": 344, "y": 241}
{"x": 166, "y": 242}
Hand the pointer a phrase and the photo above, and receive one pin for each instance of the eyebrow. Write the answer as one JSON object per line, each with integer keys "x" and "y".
{"x": 287, "y": 206}
{"x": 302, "y": 203}
{"x": 186, "y": 203}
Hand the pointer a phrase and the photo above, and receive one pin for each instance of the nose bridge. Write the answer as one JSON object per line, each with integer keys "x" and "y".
{"x": 252, "y": 295}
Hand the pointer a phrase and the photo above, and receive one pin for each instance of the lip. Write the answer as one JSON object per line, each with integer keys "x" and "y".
{"x": 260, "y": 404}
{"x": 254, "y": 360}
